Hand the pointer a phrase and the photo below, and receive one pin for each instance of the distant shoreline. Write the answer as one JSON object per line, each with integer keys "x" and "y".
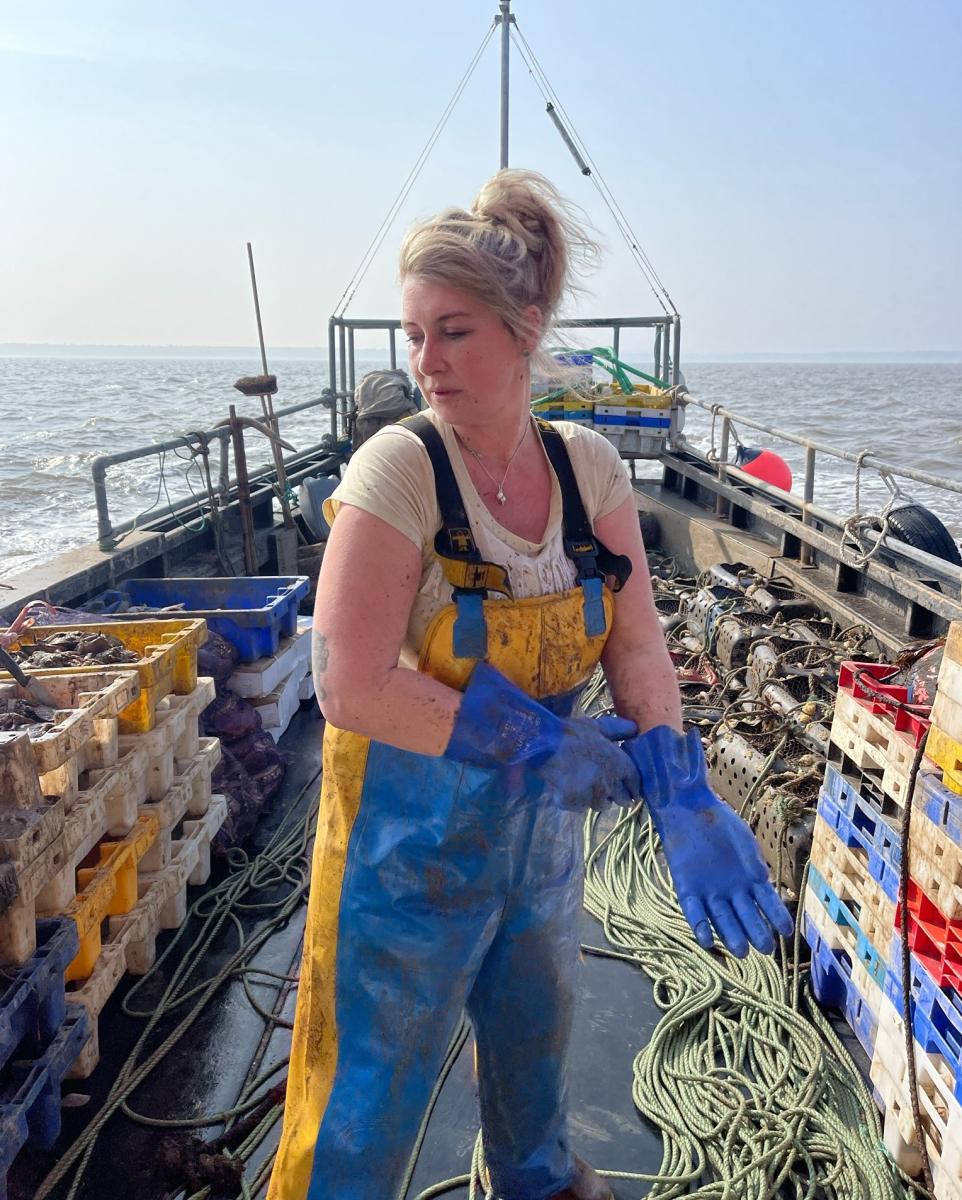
{"x": 319, "y": 353}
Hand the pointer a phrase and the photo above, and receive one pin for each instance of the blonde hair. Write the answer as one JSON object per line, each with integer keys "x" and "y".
{"x": 520, "y": 244}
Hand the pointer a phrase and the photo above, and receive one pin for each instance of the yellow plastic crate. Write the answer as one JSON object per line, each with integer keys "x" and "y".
{"x": 109, "y": 889}
{"x": 167, "y": 662}
{"x": 947, "y": 753}
{"x": 645, "y": 395}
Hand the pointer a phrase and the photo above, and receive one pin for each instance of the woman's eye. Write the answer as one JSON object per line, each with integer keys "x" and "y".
{"x": 455, "y": 333}
{"x": 413, "y": 339}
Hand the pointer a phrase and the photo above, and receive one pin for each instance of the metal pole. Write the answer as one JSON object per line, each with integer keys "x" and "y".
{"x": 666, "y": 351}
{"x": 657, "y": 349}
{"x": 505, "y": 20}
{"x": 267, "y": 406}
{"x": 342, "y": 371}
{"x": 391, "y": 332}
{"x": 616, "y": 340}
{"x": 332, "y": 375}
{"x": 808, "y": 495}
{"x": 676, "y": 351}
{"x": 257, "y": 307}
{"x": 720, "y": 502}
{"x": 243, "y": 494}
{"x": 351, "y": 377}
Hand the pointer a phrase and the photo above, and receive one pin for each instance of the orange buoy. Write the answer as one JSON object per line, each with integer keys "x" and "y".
{"x": 765, "y": 465}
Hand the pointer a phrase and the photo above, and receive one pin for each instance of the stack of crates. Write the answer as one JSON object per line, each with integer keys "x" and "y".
{"x": 852, "y": 919}
{"x": 258, "y": 615}
{"x": 565, "y": 406}
{"x": 637, "y": 423}
{"x": 105, "y": 818}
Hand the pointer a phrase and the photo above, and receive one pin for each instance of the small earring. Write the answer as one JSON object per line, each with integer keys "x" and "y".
{"x": 525, "y": 353}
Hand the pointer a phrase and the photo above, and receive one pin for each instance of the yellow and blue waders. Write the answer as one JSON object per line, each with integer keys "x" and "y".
{"x": 434, "y": 889}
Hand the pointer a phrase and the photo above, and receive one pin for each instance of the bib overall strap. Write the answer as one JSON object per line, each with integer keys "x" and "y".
{"x": 469, "y": 574}
{"x": 593, "y": 560}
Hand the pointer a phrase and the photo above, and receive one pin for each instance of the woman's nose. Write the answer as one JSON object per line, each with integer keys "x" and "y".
{"x": 431, "y": 358}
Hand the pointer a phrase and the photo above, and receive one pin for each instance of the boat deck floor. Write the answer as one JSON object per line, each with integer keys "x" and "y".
{"x": 207, "y": 1069}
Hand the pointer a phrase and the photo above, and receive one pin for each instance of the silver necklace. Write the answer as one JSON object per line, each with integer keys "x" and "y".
{"x": 500, "y": 496}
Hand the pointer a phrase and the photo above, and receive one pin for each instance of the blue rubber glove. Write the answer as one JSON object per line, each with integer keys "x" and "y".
{"x": 576, "y": 759}
{"x": 715, "y": 863}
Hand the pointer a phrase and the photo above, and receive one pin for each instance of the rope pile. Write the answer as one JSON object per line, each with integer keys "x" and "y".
{"x": 753, "y": 1092}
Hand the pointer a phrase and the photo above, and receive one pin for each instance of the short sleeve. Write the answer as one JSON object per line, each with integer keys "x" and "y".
{"x": 390, "y": 477}
{"x": 599, "y": 468}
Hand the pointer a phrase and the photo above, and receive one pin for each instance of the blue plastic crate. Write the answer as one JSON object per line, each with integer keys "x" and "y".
{"x": 840, "y": 914}
{"x": 936, "y": 1012}
{"x": 30, "y": 1095}
{"x": 880, "y": 863}
{"x": 252, "y": 612}
{"x": 941, "y": 805}
{"x": 32, "y": 1004}
{"x": 865, "y": 814}
{"x": 832, "y": 987}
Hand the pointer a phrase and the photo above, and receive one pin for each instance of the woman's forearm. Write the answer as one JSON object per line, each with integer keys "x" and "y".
{"x": 643, "y": 685}
{"x": 403, "y": 708}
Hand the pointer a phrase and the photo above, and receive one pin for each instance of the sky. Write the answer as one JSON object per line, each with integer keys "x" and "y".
{"x": 793, "y": 170}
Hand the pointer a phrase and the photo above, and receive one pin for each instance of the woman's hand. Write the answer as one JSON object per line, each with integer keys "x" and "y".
{"x": 715, "y": 863}
{"x": 573, "y": 762}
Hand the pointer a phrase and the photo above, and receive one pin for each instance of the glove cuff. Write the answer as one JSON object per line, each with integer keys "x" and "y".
{"x": 500, "y": 725}
{"x": 672, "y": 768}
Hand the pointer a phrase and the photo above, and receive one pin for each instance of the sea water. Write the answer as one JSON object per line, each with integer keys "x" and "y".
{"x": 59, "y": 414}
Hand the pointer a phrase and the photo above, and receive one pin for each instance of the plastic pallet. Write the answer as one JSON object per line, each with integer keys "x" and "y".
{"x": 61, "y": 773}
{"x": 109, "y": 888}
{"x": 833, "y": 987}
{"x": 881, "y": 868}
{"x": 32, "y": 1004}
{"x": 935, "y": 940}
{"x": 167, "y": 662}
{"x": 30, "y": 1098}
{"x": 846, "y": 872}
{"x": 940, "y": 1110}
{"x": 947, "y": 706}
{"x": 872, "y": 740}
{"x": 107, "y": 809}
{"x": 946, "y": 752}
{"x": 193, "y": 704}
{"x": 936, "y": 1014}
{"x": 197, "y": 775}
{"x": 941, "y": 805}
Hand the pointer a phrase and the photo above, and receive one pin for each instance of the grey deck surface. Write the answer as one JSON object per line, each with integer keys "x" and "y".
{"x": 207, "y": 1070}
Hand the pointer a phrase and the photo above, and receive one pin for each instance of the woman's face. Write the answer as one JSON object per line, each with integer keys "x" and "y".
{"x": 467, "y": 363}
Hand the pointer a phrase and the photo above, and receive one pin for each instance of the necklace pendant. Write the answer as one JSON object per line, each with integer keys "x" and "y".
{"x": 502, "y": 498}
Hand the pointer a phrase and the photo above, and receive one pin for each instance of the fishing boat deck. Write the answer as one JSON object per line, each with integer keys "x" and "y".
{"x": 227, "y": 1046}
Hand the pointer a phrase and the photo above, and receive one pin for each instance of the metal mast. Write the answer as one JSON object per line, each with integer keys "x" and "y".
{"x": 505, "y": 20}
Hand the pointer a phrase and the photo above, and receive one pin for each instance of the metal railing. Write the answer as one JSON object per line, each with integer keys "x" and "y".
{"x": 811, "y": 516}
{"x": 109, "y": 535}
{"x": 341, "y": 349}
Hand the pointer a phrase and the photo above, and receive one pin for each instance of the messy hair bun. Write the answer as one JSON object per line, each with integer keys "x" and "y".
{"x": 520, "y": 244}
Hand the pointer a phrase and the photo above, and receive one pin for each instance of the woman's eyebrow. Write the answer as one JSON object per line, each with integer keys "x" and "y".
{"x": 438, "y": 320}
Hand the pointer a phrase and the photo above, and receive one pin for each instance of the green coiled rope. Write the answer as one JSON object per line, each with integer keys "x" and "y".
{"x": 754, "y": 1098}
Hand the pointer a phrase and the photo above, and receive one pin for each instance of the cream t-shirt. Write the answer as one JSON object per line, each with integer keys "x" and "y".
{"x": 391, "y": 476}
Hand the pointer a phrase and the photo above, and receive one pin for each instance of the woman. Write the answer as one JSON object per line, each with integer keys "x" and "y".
{"x": 463, "y": 603}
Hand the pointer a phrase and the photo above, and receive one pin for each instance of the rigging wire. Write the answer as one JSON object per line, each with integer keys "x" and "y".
{"x": 378, "y": 239}
{"x": 544, "y": 85}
